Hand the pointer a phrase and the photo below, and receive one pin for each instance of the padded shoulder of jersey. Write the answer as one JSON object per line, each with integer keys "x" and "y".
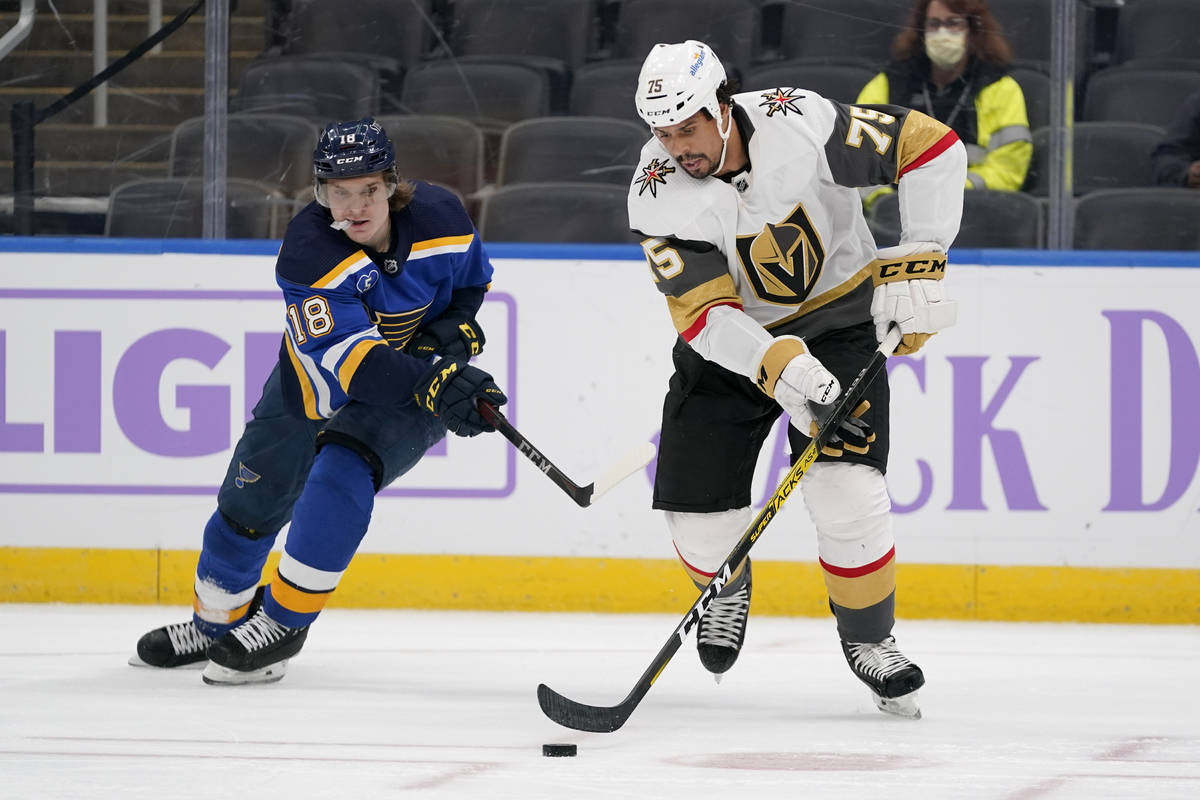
{"x": 663, "y": 199}
{"x": 311, "y": 248}
{"x": 793, "y": 106}
{"x": 436, "y": 212}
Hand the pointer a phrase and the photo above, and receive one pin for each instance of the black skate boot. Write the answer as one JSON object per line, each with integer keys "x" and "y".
{"x": 892, "y": 678}
{"x": 181, "y": 644}
{"x": 722, "y": 629}
{"x": 254, "y": 652}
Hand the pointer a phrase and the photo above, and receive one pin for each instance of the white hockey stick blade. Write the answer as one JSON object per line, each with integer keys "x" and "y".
{"x": 631, "y": 462}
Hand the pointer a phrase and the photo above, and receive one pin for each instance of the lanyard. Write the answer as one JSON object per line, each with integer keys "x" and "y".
{"x": 958, "y": 104}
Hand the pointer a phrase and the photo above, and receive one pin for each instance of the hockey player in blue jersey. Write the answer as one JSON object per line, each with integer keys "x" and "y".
{"x": 382, "y": 279}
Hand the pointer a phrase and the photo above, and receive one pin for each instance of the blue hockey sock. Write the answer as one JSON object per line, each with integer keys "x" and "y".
{"x": 328, "y": 523}
{"x": 231, "y": 563}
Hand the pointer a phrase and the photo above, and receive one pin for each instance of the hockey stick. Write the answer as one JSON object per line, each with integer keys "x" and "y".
{"x": 606, "y": 719}
{"x": 630, "y": 463}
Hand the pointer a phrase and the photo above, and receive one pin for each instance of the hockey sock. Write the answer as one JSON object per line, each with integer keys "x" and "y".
{"x": 328, "y": 523}
{"x": 226, "y": 576}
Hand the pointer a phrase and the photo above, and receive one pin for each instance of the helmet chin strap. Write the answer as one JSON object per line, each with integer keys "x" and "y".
{"x": 724, "y": 134}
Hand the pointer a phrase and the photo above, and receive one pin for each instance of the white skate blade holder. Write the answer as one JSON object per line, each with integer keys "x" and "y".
{"x": 136, "y": 661}
{"x": 903, "y": 706}
{"x": 216, "y": 675}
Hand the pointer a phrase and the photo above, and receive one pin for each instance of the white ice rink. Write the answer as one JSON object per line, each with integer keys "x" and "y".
{"x": 388, "y": 704}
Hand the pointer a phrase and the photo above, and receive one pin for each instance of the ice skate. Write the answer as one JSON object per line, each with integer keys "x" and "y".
{"x": 254, "y": 652}
{"x": 722, "y": 629}
{"x": 179, "y": 645}
{"x": 891, "y": 677}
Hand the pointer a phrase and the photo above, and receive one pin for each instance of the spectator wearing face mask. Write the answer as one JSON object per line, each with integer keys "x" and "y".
{"x": 952, "y": 62}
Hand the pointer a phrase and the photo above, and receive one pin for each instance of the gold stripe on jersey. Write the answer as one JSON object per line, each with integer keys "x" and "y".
{"x": 862, "y": 591}
{"x": 689, "y": 308}
{"x": 825, "y": 298}
{"x": 307, "y": 392}
{"x": 778, "y": 355}
{"x": 348, "y": 266}
{"x": 443, "y": 244}
{"x": 294, "y": 599}
{"x": 926, "y": 266}
{"x": 353, "y": 359}
{"x": 918, "y": 133}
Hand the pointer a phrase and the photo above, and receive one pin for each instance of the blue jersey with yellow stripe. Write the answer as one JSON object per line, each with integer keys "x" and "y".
{"x": 350, "y": 310}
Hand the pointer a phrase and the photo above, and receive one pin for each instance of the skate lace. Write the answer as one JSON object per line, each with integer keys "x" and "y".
{"x": 722, "y": 624}
{"x": 186, "y": 638}
{"x": 878, "y": 660}
{"x": 259, "y": 631}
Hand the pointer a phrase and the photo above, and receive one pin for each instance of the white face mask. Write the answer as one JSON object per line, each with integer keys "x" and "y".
{"x": 945, "y": 48}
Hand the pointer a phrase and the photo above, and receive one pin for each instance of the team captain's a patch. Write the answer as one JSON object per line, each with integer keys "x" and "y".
{"x": 653, "y": 174}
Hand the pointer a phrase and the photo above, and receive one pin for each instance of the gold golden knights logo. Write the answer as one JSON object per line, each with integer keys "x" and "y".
{"x": 653, "y": 174}
{"x": 783, "y": 260}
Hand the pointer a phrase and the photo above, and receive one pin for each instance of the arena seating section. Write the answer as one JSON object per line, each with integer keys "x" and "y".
{"x": 524, "y": 108}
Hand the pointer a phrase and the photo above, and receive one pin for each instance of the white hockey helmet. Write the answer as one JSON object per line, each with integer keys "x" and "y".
{"x": 676, "y": 81}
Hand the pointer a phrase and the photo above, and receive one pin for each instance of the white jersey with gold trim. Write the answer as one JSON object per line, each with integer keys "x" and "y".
{"x": 785, "y": 240}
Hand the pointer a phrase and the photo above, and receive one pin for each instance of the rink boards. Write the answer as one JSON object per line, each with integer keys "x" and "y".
{"x": 1043, "y": 466}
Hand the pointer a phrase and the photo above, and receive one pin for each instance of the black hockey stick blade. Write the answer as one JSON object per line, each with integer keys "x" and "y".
{"x": 606, "y": 719}
{"x": 583, "y": 496}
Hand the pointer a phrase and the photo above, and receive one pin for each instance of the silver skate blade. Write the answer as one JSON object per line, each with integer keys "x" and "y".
{"x": 136, "y": 661}
{"x": 903, "y": 706}
{"x": 216, "y": 675}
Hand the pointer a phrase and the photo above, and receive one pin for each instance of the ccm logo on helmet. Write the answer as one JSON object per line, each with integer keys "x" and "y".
{"x": 350, "y": 160}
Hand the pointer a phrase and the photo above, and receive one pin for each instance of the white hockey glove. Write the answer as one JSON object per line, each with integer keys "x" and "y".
{"x": 908, "y": 292}
{"x": 788, "y": 373}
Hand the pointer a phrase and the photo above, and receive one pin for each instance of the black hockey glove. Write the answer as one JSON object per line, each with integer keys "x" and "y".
{"x": 448, "y": 338}
{"x": 854, "y": 434}
{"x": 451, "y": 390}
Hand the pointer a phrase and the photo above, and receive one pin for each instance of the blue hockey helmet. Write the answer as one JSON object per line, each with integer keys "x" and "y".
{"x": 350, "y": 149}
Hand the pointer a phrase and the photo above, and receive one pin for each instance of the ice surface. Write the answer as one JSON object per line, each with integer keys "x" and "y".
{"x": 441, "y": 705}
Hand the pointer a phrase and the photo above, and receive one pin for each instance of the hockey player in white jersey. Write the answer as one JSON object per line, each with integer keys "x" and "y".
{"x": 755, "y": 234}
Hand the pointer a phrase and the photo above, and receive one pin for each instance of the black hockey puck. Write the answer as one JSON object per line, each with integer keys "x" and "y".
{"x": 559, "y": 750}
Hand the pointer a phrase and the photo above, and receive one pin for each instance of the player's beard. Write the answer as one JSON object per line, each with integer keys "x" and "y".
{"x": 707, "y": 165}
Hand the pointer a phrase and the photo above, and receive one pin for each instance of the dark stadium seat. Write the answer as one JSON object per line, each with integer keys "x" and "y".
{"x": 556, "y": 212}
{"x": 398, "y": 30}
{"x": 1150, "y": 31}
{"x": 1027, "y": 26}
{"x": 1138, "y": 219}
{"x": 586, "y": 149}
{"x": 1108, "y": 155}
{"x": 562, "y": 30}
{"x": 445, "y": 150}
{"x": 318, "y": 87}
{"x": 605, "y": 89}
{"x": 492, "y": 95}
{"x": 275, "y": 149}
{"x": 173, "y": 208}
{"x": 730, "y": 27}
{"x": 990, "y": 219}
{"x": 1128, "y": 94}
{"x": 841, "y": 82}
{"x": 842, "y": 31}
{"x": 1035, "y": 86}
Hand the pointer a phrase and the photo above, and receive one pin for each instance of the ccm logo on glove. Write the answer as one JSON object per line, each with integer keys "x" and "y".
{"x": 927, "y": 266}
{"x": 451, "y": 390}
